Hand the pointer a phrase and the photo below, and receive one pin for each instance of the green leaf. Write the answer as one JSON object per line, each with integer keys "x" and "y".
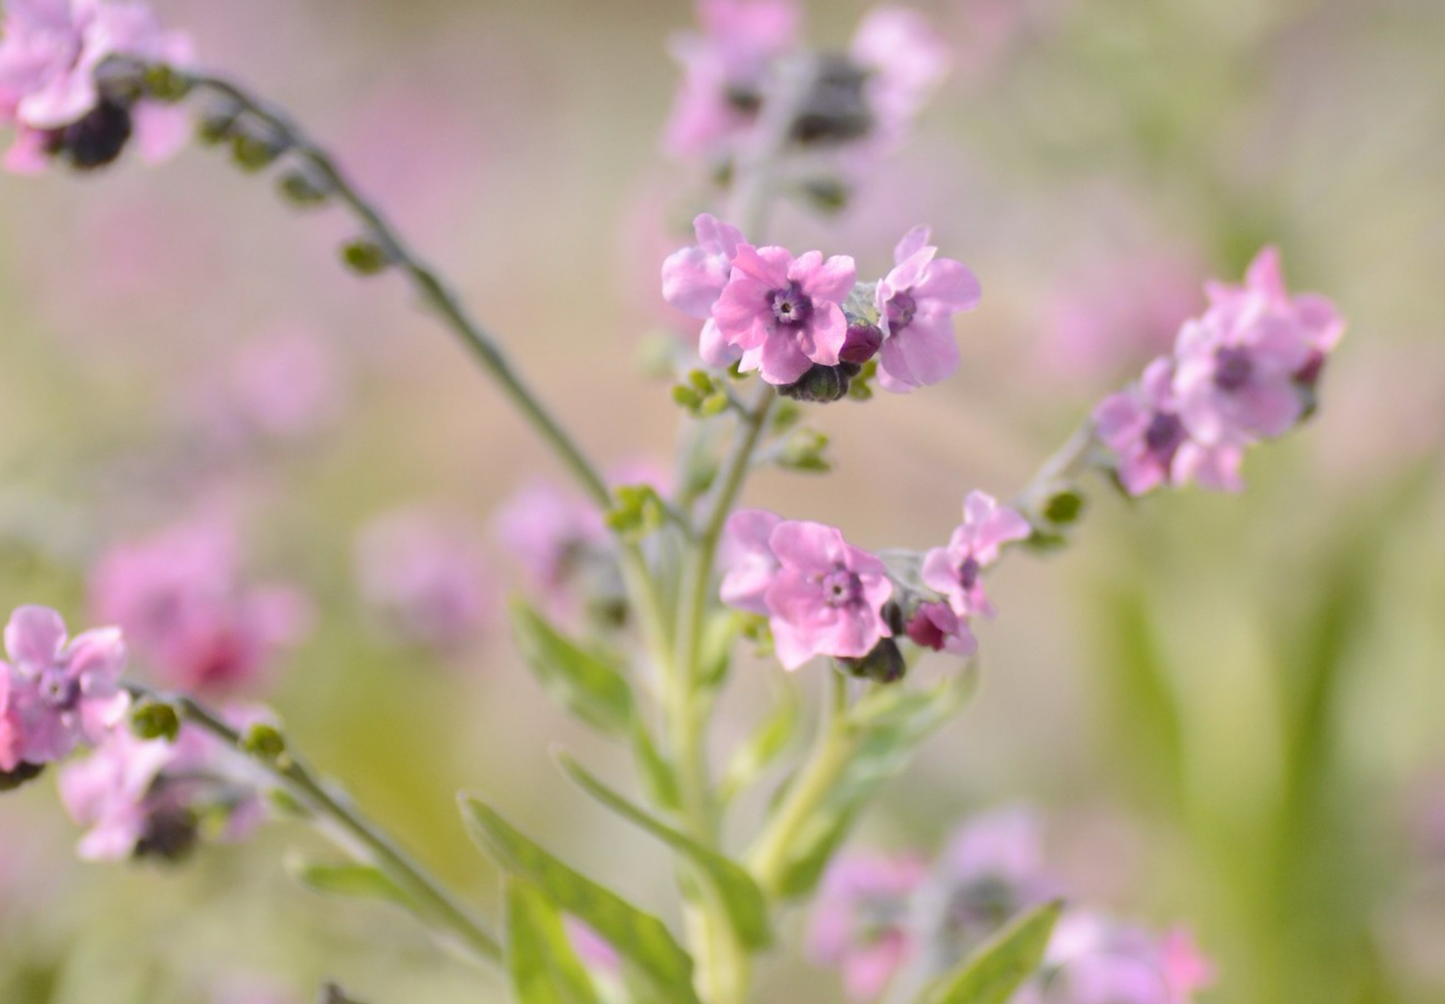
{"x": 352, "y": 881}
{"x": 887, "y": 726}
{"x": 999, "y": 967}
{"x": 656, "y": 773}
{"x": 588, "y": 685}
{"x": 540, "y": 961}
{"x": 638, "y": 937}
{"x": 739, "y": 895}
{"x": 772, "y": 736}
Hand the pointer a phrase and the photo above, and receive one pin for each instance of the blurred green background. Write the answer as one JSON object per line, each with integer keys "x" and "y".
{"x": 1230, "y": 708}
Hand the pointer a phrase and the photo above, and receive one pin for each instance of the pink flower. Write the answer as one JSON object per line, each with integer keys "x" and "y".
{"x": 286, "y": 384}
{"x": 724, "y": 71}
{"x": 785, "y": 313}
{"x": 552, "y": 536}
{"x": 10, "y": 734}
{"x": 860, "y": 920}
{"x": 48, "y": 90}
{"x": 190, "y": 614}
{"x": 1095, "y": 960}
{"x": 827, "y": 597}
{"x": 906, "y": 60}
{"x": 954, "y": 572}
{"x": 748, "y": 560}
{"x": 143, "y": 798}
{"x": 916, "y": 303}
{"x": 1241, "y": 369}
{"x": 936, "y": 626}
{"x": 427, "y": 578}
{"x": 694, "y": 278}
{"x": 591, "y": 948}
{"x": 1150, "y": 443}
{"x": 62, "y": 693}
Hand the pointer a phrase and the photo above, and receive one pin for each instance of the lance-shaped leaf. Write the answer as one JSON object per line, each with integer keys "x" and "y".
{"x": 354, "y": 881}
{"x": 884, "y": 730}
{"x": 587, "y": 684}
{"x": 769, "y": 739}
{"x": 640, "y": 938}
{"x": 541, "y": 964}
{"x": 999, "y": 967}
{"x": 738, "y": 894}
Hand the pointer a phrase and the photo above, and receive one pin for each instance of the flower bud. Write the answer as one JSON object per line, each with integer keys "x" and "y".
{"x": 153, "y": 719}
{"x": 836, "y": 109}
{"x": 23, "y": 774}
{"x": 96, "y": 138}
{"x": 366, "y": 257}
{"x": 303, "y": 188}
{"x": 861, "y": 343}
{"x": 171, "y": 834}
{"x": 265, "y": 742}
{"x": 884, "y": 664}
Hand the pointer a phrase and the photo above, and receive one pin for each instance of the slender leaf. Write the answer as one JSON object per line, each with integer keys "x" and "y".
{"x": 1000, "y": 966}
{"x": 739, "y": 894}
{"x": 352, "y": 881}
{"x": 772, "y": 736}
{"x": 540, "y": 961}
{"x": 656, "y": 773}
{"x": 638, "y": 937}
{"x": 587, "y": 684}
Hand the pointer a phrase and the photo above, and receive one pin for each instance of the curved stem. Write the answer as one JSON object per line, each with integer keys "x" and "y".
{"x": 434, "y": 291}
{"x": 317, "y": 794}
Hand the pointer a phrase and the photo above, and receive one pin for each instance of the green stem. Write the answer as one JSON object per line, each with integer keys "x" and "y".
{"x": 428, "y": 283}
{"x": 837, "y": 742}
{"x": 434, "y": 903}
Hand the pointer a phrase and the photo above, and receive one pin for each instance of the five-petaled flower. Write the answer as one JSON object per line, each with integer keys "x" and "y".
{"x": 916, "y": 303}
{"x": 954, "y": 572}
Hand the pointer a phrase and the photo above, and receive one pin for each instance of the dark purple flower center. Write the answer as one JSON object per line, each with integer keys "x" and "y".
{"x": 791, "y": 306}
{"x": 968, "y": 572}
{"x": 1164, "y": 435}
{"x": 1232, "y": 368}
{"x": 58, "y": 690}
{"x": 900, "y": 309}
{"x": 841, "y": 588}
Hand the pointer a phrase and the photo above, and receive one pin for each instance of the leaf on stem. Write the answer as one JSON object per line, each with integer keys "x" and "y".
{"x": 541, "y": 964}
{"x": 739, "y": 895}
{"x": 350, "y": 880}
{"x": 640, "y": 938}
{"x": 999, "y": 967}
{"x": 588, "y": 685}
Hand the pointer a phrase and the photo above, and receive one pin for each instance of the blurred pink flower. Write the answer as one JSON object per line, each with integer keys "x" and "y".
{"x": 190, "y": 614}
{"x": 916, "y": 303}
{"x": 827, "y": 596}
{"x": 286, "y": 384}
{"x": 425, "y": 575}
{"x": 596, "y": 954}
{"x": 859, "y": 922}
{"x": 549, "y": 534}
{"x": 905, "y": 59}
{"x": 954, "y": 572}
{"x": 10, "y": 735}
{"x": 1092, "y": 959}
{"x": 1150, "y": 443}
{"x": 62, "y": 693}
{"x": 785, "y": 313}
{"x": 150, "y": 797}
{"x": 48, "y": 89}
{"x": 724, "y": 71}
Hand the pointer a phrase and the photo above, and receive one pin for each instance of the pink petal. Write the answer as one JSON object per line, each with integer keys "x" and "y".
{"x": 831, "y": 280}
{"x": 950, "y": 283}
{"x": 913, "y": 242}
{"x": 34, "y": 637}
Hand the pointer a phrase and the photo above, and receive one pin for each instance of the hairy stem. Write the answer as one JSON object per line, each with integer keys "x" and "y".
{"x": 434, "y": 904}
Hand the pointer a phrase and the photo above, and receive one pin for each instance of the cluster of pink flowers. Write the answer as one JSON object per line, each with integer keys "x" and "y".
{"x": 790, "y": 318}
{"x": 824, "y": 597}
{"x": 882, "y": 918}
{"x": 154, "y": 797}
{"x": 1246, "y": 370}
{"x": 190, "y": 614}
{"x": 60, "y": 106}
{"x": 866, "y": 96}
{"x": 425, "y": 576}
